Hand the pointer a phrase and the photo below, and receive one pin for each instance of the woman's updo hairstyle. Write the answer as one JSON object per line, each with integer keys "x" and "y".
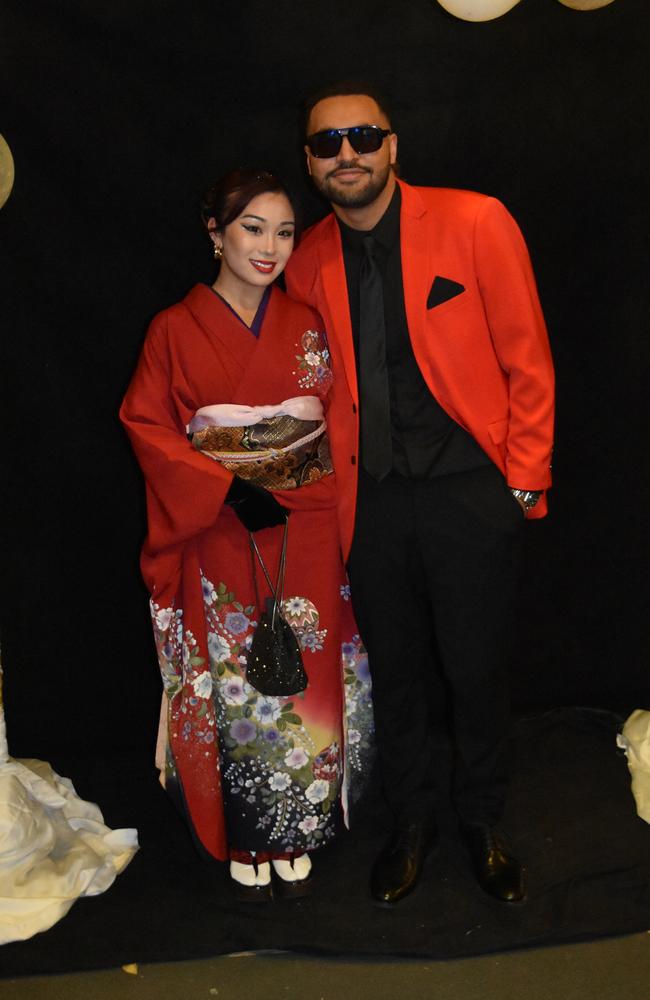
{"x": 228, "y": 197}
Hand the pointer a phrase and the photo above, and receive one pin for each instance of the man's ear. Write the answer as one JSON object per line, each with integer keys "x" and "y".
{"x": 392, "y": 141}
{"x": 307, "y": 157}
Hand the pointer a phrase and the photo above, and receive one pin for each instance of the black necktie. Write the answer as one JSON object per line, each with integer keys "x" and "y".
{"x": 376, "y": 444}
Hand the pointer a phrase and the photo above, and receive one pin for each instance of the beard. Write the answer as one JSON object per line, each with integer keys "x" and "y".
{"x": 359, "y": 198}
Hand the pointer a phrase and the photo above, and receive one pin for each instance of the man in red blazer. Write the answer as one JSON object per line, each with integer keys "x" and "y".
{"x": 441, "y": 427}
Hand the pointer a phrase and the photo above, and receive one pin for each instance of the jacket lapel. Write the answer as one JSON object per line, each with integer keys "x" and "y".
{"x": 415, "y": 266}
{"x": 415, "y": 274}
{"x": 335, "y": 295}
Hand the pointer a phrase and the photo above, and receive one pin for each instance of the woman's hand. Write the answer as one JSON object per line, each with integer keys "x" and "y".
{"x": 255, "y": 507}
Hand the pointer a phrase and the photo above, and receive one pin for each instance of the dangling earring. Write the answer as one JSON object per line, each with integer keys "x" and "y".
{"x": 218, "y": 252}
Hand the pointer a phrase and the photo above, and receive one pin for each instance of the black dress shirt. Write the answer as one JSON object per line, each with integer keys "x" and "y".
{"x": 426, "y": 441}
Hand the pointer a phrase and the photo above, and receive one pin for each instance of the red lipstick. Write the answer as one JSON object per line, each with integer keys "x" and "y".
{"x": 263, "y": 266}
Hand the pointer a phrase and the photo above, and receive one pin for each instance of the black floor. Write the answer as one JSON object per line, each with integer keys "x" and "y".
{"x": 571, "y": 819}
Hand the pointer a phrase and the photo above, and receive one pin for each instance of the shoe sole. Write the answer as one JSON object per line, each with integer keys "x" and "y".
{"x": 254, "y": 893}
{"x": 292, "y": 890}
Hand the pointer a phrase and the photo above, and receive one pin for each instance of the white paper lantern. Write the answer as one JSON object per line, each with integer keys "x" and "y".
{"x": 478, "y": 10}
{"x": 586, "y": 4}
{"x": 6, "y": 171}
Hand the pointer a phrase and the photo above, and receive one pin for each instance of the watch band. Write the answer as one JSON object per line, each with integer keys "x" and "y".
{"x": 528, "y": 497}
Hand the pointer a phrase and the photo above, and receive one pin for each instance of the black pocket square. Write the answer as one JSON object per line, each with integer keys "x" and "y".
{"x": 442, "y": 290}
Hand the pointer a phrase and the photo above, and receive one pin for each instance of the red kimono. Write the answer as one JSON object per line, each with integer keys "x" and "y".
{"x": 256, "y": 773}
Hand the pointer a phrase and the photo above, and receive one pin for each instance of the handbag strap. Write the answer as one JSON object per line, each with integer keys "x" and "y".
{"x": 277, "y": 592}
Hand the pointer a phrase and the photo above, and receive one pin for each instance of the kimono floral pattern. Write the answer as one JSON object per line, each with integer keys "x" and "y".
{"x": 280, "y": 788}
{"x": 360, "y": 745}
{"x": 314, "y": 362}
{"x": 184, "y": 671}
{"x": 304, "y": 619}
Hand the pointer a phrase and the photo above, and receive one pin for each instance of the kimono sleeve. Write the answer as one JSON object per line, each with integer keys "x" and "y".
{"x": 185, "y": 489}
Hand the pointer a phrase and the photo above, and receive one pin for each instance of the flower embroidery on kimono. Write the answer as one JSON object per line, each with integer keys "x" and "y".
{"x": 296, "y": 758}
{"x": 243, "y": 731}
{"x": 304, "y": 618}
{"x": 267, "y": 709}
{"x": 358, "y": 711}
{"x": 236, "y": 622}
{"x": 317, "y": 791}
{"x": 279, "y": 781}
{"x": 202, "y": 684}
{"x": 314, "y": 363}
{"x": 229, "y": 628}
{"x": 169, "y": 647}
{"x": 312, "y": 640}
{"x": 233, "y": 690}
{"x": 326, "y": 763}
{"x": 187, "y": 683}
{"x": 268, "y": 759}
{"x": 163, "y": 617}
{"x": 295, "y": 606}
{"x": 218, "y": 648}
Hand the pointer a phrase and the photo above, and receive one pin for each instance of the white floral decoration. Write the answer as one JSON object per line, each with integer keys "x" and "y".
{"x": 202, "y": 684}
{"x": 279, "y": 781}
{"x": 296, "y": 758}
{"x": 318, "y": 791}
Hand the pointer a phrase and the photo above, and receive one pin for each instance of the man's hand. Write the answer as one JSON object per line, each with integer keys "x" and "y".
{"x": 521, "y": 504}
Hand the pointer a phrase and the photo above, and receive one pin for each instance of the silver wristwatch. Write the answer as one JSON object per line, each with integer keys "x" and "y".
{"x": 528, "y": 497}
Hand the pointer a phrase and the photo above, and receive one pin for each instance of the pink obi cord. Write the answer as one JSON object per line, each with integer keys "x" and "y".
{"x": 239, "y": 415}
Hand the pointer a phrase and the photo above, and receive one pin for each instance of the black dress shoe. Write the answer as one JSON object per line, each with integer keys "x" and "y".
{"x": 397, "y": 870}
{"x": 497, "y": 872}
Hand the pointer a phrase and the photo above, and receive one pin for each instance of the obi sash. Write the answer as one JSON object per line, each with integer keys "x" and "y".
{"x": 280, "y": 446}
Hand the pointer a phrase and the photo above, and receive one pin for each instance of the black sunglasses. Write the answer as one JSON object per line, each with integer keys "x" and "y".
{"x": 362, "y": 138}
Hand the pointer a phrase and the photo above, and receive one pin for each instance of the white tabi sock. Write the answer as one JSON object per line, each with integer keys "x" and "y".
{"x": 244, "y": 874}
{"x": 263, "y": 876}
{"x": 292, "y": 872}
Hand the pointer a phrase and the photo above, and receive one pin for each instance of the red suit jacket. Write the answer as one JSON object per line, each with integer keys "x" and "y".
{"x": 483, "y": 350}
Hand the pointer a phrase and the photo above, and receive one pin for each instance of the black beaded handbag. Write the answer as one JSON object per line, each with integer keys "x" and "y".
{"x": 274, "y": 663}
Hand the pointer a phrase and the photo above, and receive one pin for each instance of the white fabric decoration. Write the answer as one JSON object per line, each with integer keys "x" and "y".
{"x": 54, "y": 847}
{"x": 478, "y": 10}
{"x": 586, "y": 4}
{"x": 635, "y": 740}
{"x": 240, "y": 415}
{"x": 6, "y": 171}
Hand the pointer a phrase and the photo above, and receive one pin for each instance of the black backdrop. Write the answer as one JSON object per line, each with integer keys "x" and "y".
{"x": 119, "y": 112}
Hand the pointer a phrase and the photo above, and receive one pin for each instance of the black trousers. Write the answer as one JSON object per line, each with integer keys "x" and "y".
{"x": 434, "y": 570}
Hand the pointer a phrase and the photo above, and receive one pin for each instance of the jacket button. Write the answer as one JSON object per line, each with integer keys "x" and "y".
{"x": 353, "y": 459}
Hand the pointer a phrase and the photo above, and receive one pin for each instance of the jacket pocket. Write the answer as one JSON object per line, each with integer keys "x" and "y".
{"x": 441, "y": 310}
{"x": 443, "y": 290}
{"x": 498, "y": 430}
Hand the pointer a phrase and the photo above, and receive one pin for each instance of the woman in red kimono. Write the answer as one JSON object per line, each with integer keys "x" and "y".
{"x": 261, "y": 779}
